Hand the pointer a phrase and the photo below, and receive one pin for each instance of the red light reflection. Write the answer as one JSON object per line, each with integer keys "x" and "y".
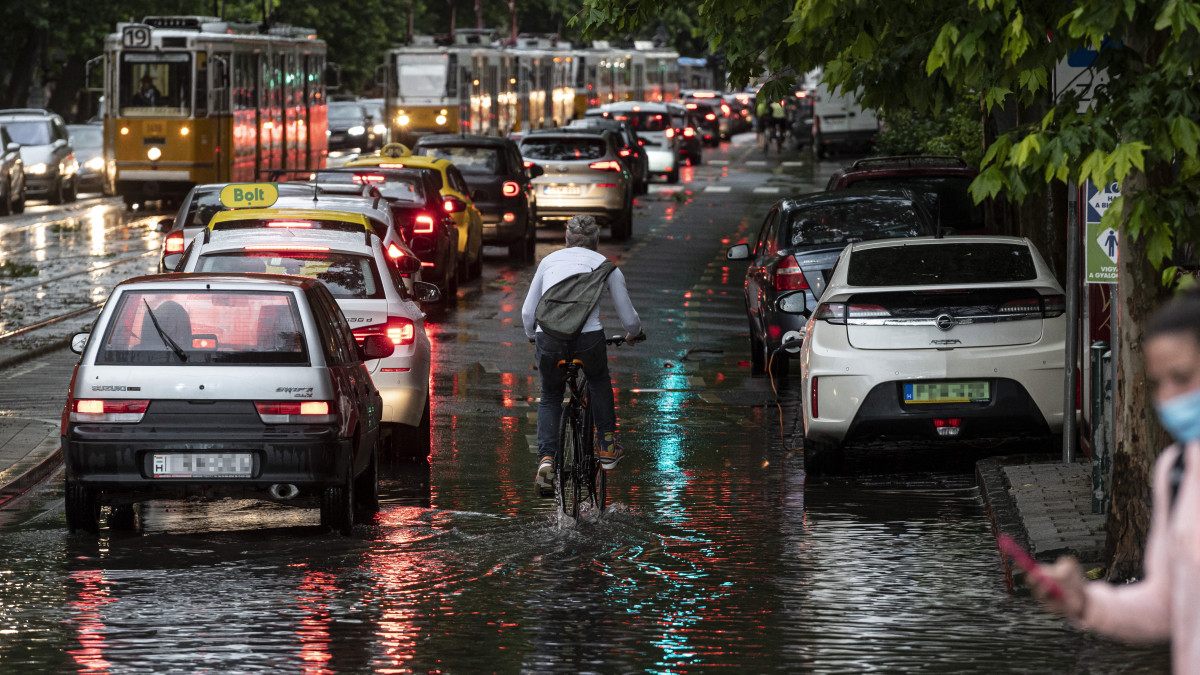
{"x": 92, "y": 598}
{"x": 313, "y": 633}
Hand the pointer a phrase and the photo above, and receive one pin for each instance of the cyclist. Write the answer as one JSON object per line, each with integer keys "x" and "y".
{"x": 580, "y": 256}
{"x": 778, "y": 122}
{"x": 762, "y": 119}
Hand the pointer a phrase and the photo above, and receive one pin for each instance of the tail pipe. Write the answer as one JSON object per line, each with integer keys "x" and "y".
{"x": 284, "y": 491}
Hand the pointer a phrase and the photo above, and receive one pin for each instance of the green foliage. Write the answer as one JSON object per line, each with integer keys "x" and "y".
{"x": 955, "y": 131}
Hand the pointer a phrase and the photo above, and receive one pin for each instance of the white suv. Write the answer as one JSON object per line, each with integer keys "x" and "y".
{"x": 962, "y": 337}
{"x": 370, "y": 292}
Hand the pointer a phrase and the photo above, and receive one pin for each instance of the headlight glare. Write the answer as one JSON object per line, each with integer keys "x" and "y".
{"x": 95, "y": 163}
{"x": 357, "y": 130}
{"x": 154, "y": 154}
{"x": 37, "y": 169}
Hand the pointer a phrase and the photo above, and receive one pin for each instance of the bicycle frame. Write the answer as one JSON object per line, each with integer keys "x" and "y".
{"x": 578, "y": 473}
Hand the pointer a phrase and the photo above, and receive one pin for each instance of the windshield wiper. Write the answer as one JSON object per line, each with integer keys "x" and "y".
{"x": 163, "y": 334}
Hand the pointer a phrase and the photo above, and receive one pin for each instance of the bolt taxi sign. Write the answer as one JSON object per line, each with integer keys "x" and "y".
{"x": 249, "y": 195}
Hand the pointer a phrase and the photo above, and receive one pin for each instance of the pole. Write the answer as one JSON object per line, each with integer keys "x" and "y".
{"x": 1070, "y": 372}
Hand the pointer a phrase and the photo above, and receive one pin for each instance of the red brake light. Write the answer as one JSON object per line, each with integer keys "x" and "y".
{"x": 395, "y": 251}
{"x": 300, "y": 224}
{"x": 423, "y": 224}
{"x": 670, "y": 133}
{"x": 710, "y": 117}
{"x": 704, "y": 94}
{"x": 284, "y": 247}
{"x": 607, "y": 165}
{"x": 283, "y": 412}
{"x": 367, "y": 178}
{"x": 391, "y": 166}
{"x": 510, "y": 188}
{"x": 528, "y": 164}
{"x": 452, "y": 205}
{"x": 789, "y": 276}
{"x": 108, "y": 410}
{"x": 625, "y": 152}
{"x": 690, "y": 106}
{"x": 400, "y": 330}
{"x": 174, "y": 243}
{"x": 688, "y": 132}
{"x": 509, "y": 217}
{"x": 725, "y": 110}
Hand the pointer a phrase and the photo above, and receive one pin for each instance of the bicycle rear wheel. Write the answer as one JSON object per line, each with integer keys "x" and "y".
{"x": 568, "y": 465}
{"x": 597, "y": 481}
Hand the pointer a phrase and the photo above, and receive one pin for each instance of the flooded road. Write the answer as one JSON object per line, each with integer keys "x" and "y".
{"x": 717, "y": 555}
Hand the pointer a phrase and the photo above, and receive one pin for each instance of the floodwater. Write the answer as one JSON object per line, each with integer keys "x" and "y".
{"x": 716, "y": 555}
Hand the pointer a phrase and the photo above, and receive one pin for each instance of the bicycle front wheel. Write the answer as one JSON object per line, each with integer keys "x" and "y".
{"x": 569, "y": 453}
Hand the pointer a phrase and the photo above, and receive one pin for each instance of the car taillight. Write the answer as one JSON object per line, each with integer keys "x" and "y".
{"x": 510, "y": 217}
{"x": 789, "y": 276}
{"x": 510, "y": 188}
{"x": 290, "y": 224}
{"x": 391, "y": 165}
{"x": 294, "y": 412}
{"x": 688, "y": 132}
{"x": 528, "y": 164}
{"x": 108, "y": 410}
{"x": 607, "y": 165}
{"x": 1054, "y": 305}
{"x": 452, "y": 205}
{"x": 624, "y": 152}
{"x": 363, "y": 179}
{"x": 690, "y": 106}
{"x": 400, "y": 330}
{"x": 814, "y": 397}
{"x": 174, "y": 242}
{"x": 423, "y": 224}
{"x": 395, "y": 251}
{"x": 710, "y": 117}
{"x": 725, "y": 110}
{"x": 839, "y": 312}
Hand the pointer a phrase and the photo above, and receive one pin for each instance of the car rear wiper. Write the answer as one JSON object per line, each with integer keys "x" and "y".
{"x": 163, "y": 334}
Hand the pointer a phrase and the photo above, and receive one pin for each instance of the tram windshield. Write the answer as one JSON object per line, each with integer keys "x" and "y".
{"x": 423, "y": 75}
{"x": 156, "y": 85}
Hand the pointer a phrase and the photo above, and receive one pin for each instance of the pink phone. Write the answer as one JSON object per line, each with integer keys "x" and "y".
{"x": 1012, "y": 549}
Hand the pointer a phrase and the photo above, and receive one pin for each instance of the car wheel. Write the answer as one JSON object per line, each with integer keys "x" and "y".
{"x": 122, "y": 517}
{"x": 366, "y": 488}
{"x": 6, "y": 204}
{"x": 622, "y": 227}
{"x": 673, "y": 176}
{"x": 337, "y": 506}
{"x": 73, "y": 193}
{"x": 413, "y": 442}
{"x": 83, "y": 509}
{"x": 58, "y": 193}
{"x": 18, "y": 205}
{"x": 821, "y": 457}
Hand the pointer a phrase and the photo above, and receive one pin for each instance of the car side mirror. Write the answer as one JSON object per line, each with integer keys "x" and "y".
{"x": 164, "y": 225}
{"x": 376, "y": 347}
{"x": 793, "y": 303}
{"x": 423, "y": 291}
{"x": 738, "y": 252}
{"x": 536, "y": 170}
{"x": 79, "y": 342}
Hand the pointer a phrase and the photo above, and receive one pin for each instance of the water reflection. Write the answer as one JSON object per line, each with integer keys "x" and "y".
{"x": 91, "y": 598}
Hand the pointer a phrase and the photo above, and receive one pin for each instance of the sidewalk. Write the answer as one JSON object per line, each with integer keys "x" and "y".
{"x": 29, "y": 452}
{"x": 1045, "y": 505}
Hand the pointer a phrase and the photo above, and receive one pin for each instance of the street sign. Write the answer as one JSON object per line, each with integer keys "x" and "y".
{"x": 1101, "y": 244}
{"x": 1077, "y": 73}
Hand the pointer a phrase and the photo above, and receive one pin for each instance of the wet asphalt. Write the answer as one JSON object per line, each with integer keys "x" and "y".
{"x": 717, "y": 555}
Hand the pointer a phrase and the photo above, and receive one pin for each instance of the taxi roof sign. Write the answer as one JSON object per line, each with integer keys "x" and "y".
{"x": 249, "y": 195}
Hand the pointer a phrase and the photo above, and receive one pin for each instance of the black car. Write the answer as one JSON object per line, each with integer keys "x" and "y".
{"x": 687, "y": 128}
{"x": 88, "y": 140}
{"x": 797, "y": 247}
{"x": 415, "y": 201}
{"x": 351, "y": 128}
{"x": 633, "y": 154}
{"x": 500, "y": 186}
{"x": 709, "y": 115}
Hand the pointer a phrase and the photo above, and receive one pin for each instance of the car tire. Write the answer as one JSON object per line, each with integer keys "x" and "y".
{"x": 6, "y": 204}
{"x": 622, "y": 226}
{"x": 122, "y": 518}
{"x": 337, "y": 506}
{"x": 820, "y": 457}
{"x": 475, "y": 270}
{"x": 83, "y": 509}
{"x": 758, "y": 364}
{"x": 18, "y": 205}
{"x": 673, "y": 176}
{"x": 366, "y": 488}
{"x": 73, "y": 193}
{"x": 58, "y": 193}
{"x": 413, "y": 442}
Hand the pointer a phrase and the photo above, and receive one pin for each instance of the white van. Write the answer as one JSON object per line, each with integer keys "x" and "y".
{"x": 840, "y": 124}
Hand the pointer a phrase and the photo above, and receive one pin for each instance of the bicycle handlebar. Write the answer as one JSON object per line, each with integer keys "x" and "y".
{"x": 618, "y": 340}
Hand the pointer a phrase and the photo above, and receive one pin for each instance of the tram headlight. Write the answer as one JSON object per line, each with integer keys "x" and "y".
{"x": 184, "y": 131}
{"x": 440, "y": 119}
{"x": 154, "y": 154}
{"x": 357, "y": 130}
{"x": 402, "y": 120}
{"x": 37, "y": 169}
{"x": 124, "y": 131}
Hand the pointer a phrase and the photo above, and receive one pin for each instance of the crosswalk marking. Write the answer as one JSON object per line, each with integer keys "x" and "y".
{"x": 767, "y": 190}
{"x": 756, "y": 162}
{"x": 793, "y": 163}
{"x": 717, "y": 188}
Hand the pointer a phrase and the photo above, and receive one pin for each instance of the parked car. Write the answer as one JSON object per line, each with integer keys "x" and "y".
{"x": 797, "y": 246}
{"x": 941, "y": 180}
{"x": 88, "y": 141}
{"x": 631, "y": 150}
{"x": 50, "y": 164}
{"x": 584, "y": 174}
{"x": 12, "y": 175}
{"x": 372, "y": 295}
{"x": 499, "y": 183}
{"x": 935, "y": 339}
{"x": 214, "y": 386}
{"x": 351, "y": 128}
{"x": 652, "y": 123}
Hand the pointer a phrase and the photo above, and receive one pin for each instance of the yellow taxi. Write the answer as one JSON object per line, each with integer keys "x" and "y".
{"x": 456, "y": 199}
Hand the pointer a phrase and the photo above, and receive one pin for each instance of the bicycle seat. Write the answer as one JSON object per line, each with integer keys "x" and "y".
{"x": 563, "y": 362}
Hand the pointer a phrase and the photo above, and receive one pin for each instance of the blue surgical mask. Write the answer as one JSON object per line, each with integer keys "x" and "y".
{"x": 1181, "y": 416}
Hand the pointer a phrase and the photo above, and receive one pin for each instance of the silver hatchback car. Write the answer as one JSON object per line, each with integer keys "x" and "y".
{"x": 584, "y": 175}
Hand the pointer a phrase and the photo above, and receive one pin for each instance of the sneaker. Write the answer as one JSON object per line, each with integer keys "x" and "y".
{"x": 610, "y": 452}
{"x": 544, "y": 481}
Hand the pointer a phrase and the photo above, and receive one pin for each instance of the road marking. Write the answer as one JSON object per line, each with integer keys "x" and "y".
{"x": 767, "y": 190}
{"x": 490, "y": 368}
{"x": 718, "y": 188}
{"x": 793, "y": 163}
{"x": 661, "y": 187}
{"x": 696, "y": 381}
{"x": 756, "y": 162}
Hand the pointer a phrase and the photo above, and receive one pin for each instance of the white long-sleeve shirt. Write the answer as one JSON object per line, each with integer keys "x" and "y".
{"x": 568, "y": 262}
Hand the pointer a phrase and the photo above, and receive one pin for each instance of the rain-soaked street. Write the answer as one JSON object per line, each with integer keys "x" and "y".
{"x": 717, "y": 554}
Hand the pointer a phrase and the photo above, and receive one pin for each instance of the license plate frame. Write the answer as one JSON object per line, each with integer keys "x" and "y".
{"x": 563, "y": 190}
{"x": 202, "y": 465}
{"x": 946, "y": 392}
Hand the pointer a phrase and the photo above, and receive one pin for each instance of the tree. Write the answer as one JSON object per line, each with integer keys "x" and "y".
{"x": 1140, "y": 131}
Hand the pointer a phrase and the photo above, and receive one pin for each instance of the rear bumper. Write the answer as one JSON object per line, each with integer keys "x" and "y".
{"x": 495, "y": 229}
{"x": 565, "y": 213}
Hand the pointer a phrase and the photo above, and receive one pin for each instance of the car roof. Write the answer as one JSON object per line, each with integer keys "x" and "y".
{"x": 334, "y": 203}
{"x": 230, "y": 281}
{"x": 645, "y": 106}
{"x": 462, "y": 139}
{"x": 227, "y": 240}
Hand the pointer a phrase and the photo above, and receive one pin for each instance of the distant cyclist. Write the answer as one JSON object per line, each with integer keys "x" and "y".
{"x": 778, "y": 122}
{"x": 579, "y": 257}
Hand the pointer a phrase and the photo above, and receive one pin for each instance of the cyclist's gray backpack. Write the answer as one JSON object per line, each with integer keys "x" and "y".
{"x": 565, "y": 306}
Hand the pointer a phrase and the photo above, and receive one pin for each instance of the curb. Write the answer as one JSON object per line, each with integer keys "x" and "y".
{"x": 36, "y": 352}
{"x": 48, "y": 458}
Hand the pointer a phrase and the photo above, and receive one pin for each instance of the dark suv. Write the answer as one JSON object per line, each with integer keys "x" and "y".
{"x": 940, "y": 180}
{"x": 500, "y": 186}
{"x": 351, "y": 127}
{"x": 51, "y": 170}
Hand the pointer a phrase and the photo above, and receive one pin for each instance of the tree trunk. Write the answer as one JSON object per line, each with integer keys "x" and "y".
{"x": 21, "y": 78}
{"x": 512, "y": 12}
{"x": 66, "y": 99}
{"x": 479, "y": 14}
{"x": 1139, "y": 437}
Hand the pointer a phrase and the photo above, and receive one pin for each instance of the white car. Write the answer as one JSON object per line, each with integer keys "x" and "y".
{"x": 962, "y": 337}
{"x": 370, "y": 291}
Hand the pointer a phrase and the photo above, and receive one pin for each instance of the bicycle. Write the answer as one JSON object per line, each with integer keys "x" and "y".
{"x": 578, "y": 475}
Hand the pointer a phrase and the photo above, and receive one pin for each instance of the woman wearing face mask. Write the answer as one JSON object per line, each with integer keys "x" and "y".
{"x": 1165, "y": 604}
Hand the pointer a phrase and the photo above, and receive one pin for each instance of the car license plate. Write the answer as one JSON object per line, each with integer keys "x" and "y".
{"x": 947, "y": 392}
{"x": 203, "y": 465}
{"x": 562, "y": 190}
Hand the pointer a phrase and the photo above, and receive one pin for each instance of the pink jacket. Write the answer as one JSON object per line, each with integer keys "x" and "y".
{"x": 1165, "y": 604}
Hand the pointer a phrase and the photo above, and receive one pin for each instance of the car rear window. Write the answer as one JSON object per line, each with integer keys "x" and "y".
{"x": 561, "y": 148}
{"x": 842, "y": 223}
{"x": 185, "y": 328}
{"x": 946, "y": 196}
{"x": 283, "y": 222}
{"x": 468, "y": 159}
{"x": 392, "y": 186}
{"x": 942, "y": 263}
{"x": 643, "y": 121}
{"x": 345, "y": 275}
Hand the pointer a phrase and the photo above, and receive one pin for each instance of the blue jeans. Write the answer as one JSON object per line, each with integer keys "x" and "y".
{"x": 590, "y": 348}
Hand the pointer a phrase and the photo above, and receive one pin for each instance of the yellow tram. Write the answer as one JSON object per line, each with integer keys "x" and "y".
{"x": 193, "y": 99}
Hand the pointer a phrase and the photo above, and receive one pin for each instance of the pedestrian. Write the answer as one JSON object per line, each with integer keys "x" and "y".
{"x": 1165, "y": 604}
{"x": 579, "y": 257}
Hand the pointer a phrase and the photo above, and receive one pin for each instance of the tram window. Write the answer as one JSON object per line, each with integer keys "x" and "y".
{"x": 422, "y": 75}
{"x": 468, "y": 159}
{"x": 156, "y": 84}
{"x": 562, "y": 148}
